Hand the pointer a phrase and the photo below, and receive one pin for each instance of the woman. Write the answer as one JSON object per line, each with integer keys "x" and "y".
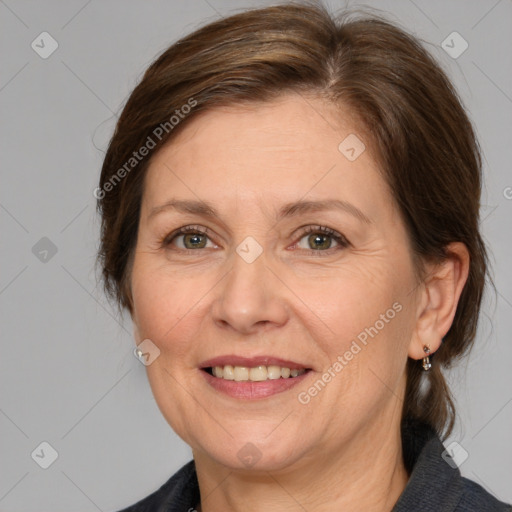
{"x": 290, "y": 215}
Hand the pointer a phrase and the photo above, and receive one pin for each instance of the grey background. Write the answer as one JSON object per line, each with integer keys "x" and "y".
{"x": 67, "y": 372}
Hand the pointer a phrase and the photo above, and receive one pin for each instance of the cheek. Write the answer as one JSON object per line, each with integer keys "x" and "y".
{"x": 164, "y": 305}
{"x": 166, "y": 311}
{"x": 366, "y": 309}
{"x": 350, "y": 300}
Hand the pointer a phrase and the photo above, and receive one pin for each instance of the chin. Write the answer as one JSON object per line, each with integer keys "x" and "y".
{"x": 257, "y": 451}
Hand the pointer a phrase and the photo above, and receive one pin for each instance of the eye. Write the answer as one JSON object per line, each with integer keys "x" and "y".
{"x": 321, "y": 238}
{"x": 317, "y": 239}
{"x": 188, "y": 238}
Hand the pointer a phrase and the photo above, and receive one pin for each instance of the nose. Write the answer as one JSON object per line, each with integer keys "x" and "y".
{"x": 250, "y": 298}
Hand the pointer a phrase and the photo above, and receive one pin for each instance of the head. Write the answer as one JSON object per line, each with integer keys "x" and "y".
{"x": 253, "y": 119}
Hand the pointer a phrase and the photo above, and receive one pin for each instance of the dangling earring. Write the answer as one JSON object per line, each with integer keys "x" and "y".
{"x": 426, "y": 360}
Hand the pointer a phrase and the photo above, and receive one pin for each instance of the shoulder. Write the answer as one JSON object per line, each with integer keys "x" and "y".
{"x": 435, "y": 483}
{"x": 180, "y": 492}
{"x": 475, "y": 498}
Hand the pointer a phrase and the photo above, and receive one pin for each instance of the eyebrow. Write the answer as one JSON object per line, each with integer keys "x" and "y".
{"x": 288, "y": 210}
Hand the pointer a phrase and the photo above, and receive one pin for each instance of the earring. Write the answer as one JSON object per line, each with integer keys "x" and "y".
{"x": 426, "y": 360}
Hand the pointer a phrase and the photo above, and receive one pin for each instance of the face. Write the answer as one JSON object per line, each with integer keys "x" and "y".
{"x": 299, "y": 262}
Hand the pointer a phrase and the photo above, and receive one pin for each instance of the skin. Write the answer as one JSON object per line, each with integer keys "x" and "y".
{"x": 342, "y": 450}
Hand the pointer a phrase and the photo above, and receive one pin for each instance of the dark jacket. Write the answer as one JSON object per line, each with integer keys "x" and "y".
{"x": 433, "y": 486}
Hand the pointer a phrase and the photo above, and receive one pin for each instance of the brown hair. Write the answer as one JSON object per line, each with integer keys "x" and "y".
{"x": 413, "y": 119}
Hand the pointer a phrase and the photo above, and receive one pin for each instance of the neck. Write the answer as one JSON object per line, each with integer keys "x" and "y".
{"x": 364, "y": 476}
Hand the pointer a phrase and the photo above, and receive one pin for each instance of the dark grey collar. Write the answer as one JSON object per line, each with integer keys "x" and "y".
{"x": 434, "y": 484}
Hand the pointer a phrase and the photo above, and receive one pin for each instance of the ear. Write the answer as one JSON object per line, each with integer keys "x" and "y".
{"x": 438, "y": 300}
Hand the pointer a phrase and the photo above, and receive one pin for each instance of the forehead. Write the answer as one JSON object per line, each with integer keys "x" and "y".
{"x": 278, "y": 151}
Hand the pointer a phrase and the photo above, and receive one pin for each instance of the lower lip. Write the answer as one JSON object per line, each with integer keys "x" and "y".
{"x": 251, "y": 390}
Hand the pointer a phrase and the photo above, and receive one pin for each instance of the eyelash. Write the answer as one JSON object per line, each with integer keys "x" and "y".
{"x": 340, "y": 239}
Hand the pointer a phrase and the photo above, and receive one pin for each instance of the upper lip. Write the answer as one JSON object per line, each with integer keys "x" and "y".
{"x": 251, "y": 362}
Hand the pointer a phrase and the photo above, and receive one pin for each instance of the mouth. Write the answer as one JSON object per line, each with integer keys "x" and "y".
{"x": 258, "y": 373}
{"x": 252, "y": 378}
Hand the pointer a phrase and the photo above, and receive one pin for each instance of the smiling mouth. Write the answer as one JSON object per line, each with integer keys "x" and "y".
{"x": 258, "y": 373}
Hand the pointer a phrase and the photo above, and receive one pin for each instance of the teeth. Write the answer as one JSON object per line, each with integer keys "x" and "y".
{"x": 241, "y": 373}
{"x": 256, "y": 374}
{"x": 229, "y": 373}
{"x": 274, "y": 372}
